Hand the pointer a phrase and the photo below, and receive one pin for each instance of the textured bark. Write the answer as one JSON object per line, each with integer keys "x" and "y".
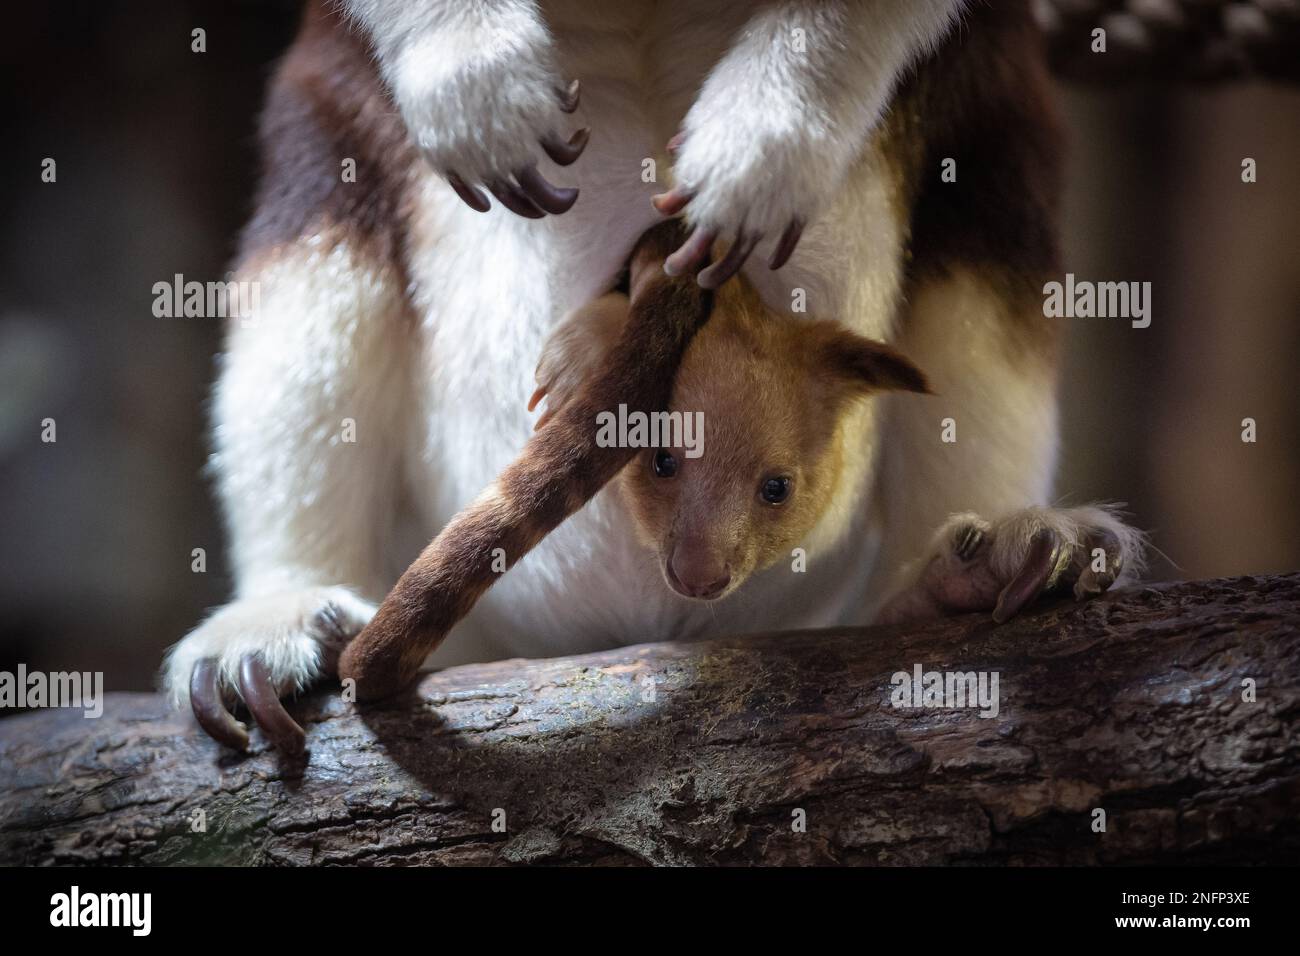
{"x": 1132, "y": 703}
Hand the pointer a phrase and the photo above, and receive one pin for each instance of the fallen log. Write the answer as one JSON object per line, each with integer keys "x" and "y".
{"x": 1174, "y": 709}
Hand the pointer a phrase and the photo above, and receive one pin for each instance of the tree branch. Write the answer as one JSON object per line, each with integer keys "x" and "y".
{"x": 1132, "y": 703}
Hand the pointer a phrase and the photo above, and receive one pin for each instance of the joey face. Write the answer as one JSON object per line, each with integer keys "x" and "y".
{"x": 774, "y": 393}
{"x": 716, "y": 519}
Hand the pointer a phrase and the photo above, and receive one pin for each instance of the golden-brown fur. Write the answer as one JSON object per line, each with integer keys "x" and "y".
{"x": 773, "y": 394}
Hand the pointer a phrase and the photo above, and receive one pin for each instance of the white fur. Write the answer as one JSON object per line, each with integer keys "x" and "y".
{"x": 291, "y": 631}
{"x": 789, "y": 108}
{"x": 304, "y": 505}
{"x": 310, "y": 516}
{"x": 476, "y": 82}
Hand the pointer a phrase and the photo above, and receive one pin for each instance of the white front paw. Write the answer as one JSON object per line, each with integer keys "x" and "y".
{"x": 258, "y": 650}
{"x": 749, "y": 175}
{"x": 479, "y": 109}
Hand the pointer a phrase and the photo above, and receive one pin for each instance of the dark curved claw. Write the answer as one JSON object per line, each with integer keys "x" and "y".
{"x": 547, "y": 197}
{"x": 513, "y": 198}
{"x": 968, "y": 542}
{"x": 692, "y": 254}
{"x": 785, "y": 245}
{"x": 1092, "y": 583}
{"x": 729, "y": 265}
{"x": 264, "y": 704}
{"x": 1032, "y": 578}
{"x": 671, "y": 202}
{"x": 471, "y": 195}
{"x": 569, "y": 97}
{"x": 565, "y": 152}
{"x": 210, "y": 710}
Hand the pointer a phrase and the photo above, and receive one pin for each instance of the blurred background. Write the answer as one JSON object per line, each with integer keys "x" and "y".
{"x": 155, "y": 167}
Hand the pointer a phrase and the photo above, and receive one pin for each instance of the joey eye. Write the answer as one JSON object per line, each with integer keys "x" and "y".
{"x": 663, "y": 464}
{"x": 775, "y": 490}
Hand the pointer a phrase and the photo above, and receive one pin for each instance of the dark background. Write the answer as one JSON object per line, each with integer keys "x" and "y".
{"x": 154, "y": 145}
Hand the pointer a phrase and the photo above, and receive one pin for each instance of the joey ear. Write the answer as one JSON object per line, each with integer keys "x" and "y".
{"x": 872, "y": 366}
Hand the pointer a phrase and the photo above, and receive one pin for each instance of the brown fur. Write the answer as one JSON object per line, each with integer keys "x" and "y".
{"x": 326, "y": 104}
{"x": 984, "y": 100}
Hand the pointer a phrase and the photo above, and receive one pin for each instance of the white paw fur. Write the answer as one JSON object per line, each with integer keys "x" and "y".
{"x": 298, "y": 634}
{"x": 784, "y": 115}
{"x": 476, "y": 84}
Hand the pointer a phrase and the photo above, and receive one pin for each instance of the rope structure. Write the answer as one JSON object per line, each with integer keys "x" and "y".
{"x": 1173, "y": 40}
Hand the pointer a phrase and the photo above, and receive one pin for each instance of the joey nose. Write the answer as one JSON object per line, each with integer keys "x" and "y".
{"x": 694, "y": 571}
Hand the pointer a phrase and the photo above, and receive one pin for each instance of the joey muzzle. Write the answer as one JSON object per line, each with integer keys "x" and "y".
{"x": 696, "y": 569}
